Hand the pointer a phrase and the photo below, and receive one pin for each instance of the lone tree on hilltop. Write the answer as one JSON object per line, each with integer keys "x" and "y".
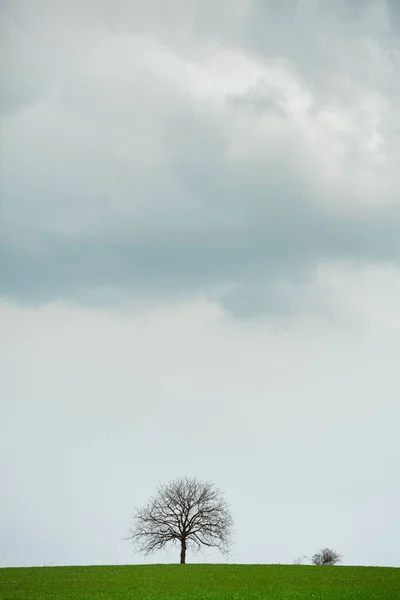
{"x": 185, "y": 512}
{"x": 326, "y": 556}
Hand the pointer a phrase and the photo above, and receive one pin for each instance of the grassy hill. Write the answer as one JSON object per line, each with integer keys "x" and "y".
{"x": 200, "y": 582}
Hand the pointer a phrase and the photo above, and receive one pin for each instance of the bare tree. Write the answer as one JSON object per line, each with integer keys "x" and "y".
{"x": 326, "y": 556}
{"x": 185, "y": 512}
{"x": 299, "y": 560}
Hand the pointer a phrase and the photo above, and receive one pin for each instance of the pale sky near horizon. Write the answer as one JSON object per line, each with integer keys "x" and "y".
{"x": 199, "y": 273}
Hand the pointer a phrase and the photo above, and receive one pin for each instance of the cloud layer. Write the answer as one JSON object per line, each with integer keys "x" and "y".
{"x": 150, "y": 153}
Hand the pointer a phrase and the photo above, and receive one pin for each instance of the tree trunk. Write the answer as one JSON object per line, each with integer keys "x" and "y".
{"x": 183, "y": 552}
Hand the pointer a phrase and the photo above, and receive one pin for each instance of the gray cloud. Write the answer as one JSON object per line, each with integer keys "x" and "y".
{"x": 134, "y": 166}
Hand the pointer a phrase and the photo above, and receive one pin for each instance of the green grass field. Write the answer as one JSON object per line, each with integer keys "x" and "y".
{"x": 200, "y": 582}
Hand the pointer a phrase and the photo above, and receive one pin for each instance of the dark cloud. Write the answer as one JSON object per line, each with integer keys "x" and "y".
{"x": 125, "y": 180}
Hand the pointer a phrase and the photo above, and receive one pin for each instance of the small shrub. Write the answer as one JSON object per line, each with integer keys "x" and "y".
{"x": 326, "y": 556}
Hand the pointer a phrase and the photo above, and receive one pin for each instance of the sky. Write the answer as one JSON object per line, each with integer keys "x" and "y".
{"x": 200, "y": 273}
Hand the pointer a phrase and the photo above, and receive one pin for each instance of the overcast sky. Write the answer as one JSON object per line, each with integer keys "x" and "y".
{"x": 199, "y": 273}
